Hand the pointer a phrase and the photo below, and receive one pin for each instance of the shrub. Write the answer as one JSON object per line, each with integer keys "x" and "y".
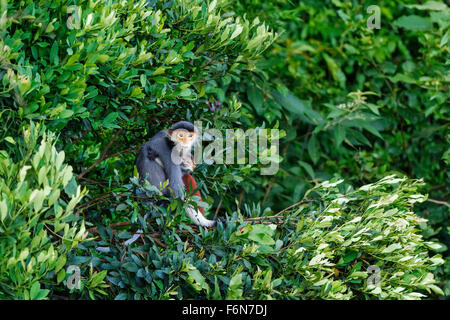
{"x": 38, "y": 194}
{"x": 318, "y": 248}
{"x": 359, "y": 103}
{"x": 127, "y": 70}
{"x": 120, "y": 55}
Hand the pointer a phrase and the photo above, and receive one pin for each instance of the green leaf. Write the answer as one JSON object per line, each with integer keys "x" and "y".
{"x": 339, "y": 134}
{"x": 414, "y": 23}
{"x": 429, "y": 5}
{"x": 314, "y": 149}
{"x": 199, "y": 281}
{"x": 60, "y": 263}
{"x": 131, "y": 267}
{"x": 332, "y": 66}
{"x": 71, "y": 187}
{"x": 109, "y": 120}
{"x": 54, "y": 53}
{"x": 34, "y": 291}
{"x": 186, "y": 92}
{"x": 10, "y": 140}
{"x": 307, "y": 168}
{"x": 121, "y": 296}
{"x": 436, "y": 289}
{"x": 254, "y": 95}
{"x": 216, "y": 294}
{"x": 235, "y": 290}
{"x": 298, "y": 107}
{"x": 61, "y": 275}
{"x": 392, "y": 248}
{"x": 3, "y": 209}
{"x": 98, "y": 278}
{"x": 262, "y": 234}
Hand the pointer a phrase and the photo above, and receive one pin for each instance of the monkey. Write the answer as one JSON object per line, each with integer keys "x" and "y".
{"x": 168, "y": 156}
{"x": 162, "y": 146}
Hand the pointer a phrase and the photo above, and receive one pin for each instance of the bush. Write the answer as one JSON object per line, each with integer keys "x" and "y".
{"x": 318, "y": 248}
{"x": 38, "y": 194}
{"x": 121, "y": 55}
{"x": 359, "y": 103}
{"x": 130, "y": 69}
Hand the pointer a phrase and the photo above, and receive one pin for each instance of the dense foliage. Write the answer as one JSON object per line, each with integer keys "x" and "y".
{"x": 362, "y": 103}
{"x": 38, "y": 227}
{"x": 355, "y": 105}
{"x": 320, "y": 248}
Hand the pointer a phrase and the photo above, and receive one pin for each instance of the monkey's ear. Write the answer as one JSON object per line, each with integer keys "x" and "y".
{"x": 170, "y": 132}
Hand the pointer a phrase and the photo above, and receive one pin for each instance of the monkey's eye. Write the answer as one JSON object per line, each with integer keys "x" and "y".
{"x": 180, "y": 135}
{"x": 190, "y": 135}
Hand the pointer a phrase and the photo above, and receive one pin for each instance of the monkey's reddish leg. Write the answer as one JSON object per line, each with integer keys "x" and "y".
{"x": 190, "y": 184}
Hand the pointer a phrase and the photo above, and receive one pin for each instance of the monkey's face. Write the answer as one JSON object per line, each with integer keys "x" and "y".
{"x": 182, "y": 137}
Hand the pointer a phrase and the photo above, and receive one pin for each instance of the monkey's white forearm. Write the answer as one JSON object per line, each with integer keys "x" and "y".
{"x": 197, "y": 217}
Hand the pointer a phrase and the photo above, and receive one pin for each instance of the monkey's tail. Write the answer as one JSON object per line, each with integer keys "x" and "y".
{"x": 197, "y": 217}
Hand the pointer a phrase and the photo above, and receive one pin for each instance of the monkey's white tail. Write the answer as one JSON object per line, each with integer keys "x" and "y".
{"x": 197, "y": 217}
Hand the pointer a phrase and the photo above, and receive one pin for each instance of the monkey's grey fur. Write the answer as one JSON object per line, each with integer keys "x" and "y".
{"x": 160, "y": 146}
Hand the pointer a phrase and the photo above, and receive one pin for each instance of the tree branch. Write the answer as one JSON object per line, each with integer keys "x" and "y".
{"x": 439, "y": 202}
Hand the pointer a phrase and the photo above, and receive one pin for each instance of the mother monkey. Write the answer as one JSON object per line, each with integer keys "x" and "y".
{"x": 168, "y": 156}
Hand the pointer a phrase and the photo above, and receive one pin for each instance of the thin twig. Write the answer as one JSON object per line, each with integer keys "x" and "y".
{"x": 112, "y": 226}
{"x": 294, "y": 205}
{"x": 241, "y": 197}
{"x": 261, "y": 218}
{"x": 277, "y": 215}
{"x": 121, "y": 152}
{"x": 91, "y": 181}
{"x": 218, "y": 208}
{"x": 159, "y": 242}
{"x": 103, "y": 198}
{"x": 439, "y": 202}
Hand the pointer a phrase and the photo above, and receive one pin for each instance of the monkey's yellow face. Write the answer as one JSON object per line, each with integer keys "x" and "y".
{"x": 183, "y": 137}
